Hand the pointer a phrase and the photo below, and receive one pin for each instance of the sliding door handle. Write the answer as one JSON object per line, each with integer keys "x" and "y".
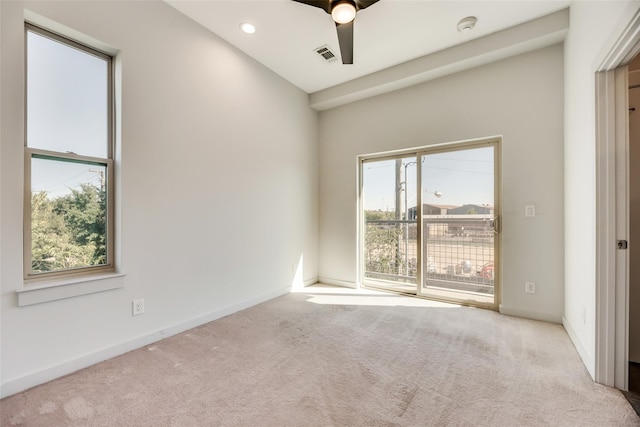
{"x": 495, "y": 224}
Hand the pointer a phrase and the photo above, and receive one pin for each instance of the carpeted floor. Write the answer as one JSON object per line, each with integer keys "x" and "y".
{"x": 322, "y": 357}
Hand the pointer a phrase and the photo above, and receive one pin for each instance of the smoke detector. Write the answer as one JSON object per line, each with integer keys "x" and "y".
{"x": 466, "y": 24}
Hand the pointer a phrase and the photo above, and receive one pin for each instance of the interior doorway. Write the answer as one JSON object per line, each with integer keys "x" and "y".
{"x": 613, "y": 303}
{"x": 430, "y": 222}
{"x": 632, "y": 393}
{"x": 634, "y": 225}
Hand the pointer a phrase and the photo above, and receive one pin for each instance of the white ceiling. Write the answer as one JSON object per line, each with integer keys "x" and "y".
{"x": 387, "y": 33}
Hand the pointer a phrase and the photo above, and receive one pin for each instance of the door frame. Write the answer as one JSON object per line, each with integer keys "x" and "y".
{"x": 612, "y": 216}
{"x": 362, "y": 222}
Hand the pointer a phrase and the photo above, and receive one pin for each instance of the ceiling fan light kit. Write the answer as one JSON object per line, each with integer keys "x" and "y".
{"x": 343, "y": 12}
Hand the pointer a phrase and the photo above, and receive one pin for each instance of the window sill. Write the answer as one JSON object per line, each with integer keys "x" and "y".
{"x": 69, "y": 288}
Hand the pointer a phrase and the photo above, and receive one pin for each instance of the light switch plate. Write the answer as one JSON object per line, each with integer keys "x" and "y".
{"x": 530, "y": 287}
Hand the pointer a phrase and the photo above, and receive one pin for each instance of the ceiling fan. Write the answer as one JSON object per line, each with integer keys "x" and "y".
{"x": 343, "y": 13}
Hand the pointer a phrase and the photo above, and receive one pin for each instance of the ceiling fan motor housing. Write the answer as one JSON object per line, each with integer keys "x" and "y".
{"x": 343, "y": 13}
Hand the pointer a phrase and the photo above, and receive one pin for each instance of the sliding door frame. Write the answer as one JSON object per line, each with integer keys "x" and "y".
{"x": 418, "y": 152}
{"x": 495, "y": 142}
{"x": 362, "y": 160}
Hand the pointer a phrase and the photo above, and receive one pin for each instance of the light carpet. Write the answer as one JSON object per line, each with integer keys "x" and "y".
{"x": 322, "y": 357}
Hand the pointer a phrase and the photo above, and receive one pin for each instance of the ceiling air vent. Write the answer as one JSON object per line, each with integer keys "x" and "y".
{"x": 326, "y": 53}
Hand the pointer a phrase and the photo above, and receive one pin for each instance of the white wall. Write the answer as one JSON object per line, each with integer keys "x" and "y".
{"x": 520, "y": 98}
{"x": 218, "y": 189}
{"x": 594, "y": 25}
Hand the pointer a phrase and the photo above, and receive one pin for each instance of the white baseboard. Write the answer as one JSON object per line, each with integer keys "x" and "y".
{"x": 310, "y": 282}
{"x": 336, "y": 282}
{"x": 57, "y": 371}
{"x": 588, "y": 361}
{"x": 529, "y": 314}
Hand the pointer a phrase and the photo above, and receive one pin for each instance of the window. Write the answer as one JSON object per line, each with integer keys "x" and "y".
{"x": 68, "y": 158}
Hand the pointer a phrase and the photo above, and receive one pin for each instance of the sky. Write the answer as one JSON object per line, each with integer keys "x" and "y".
{"x": 57, "y": 178}
{"x": 67, "y": 102}
{"x": 459, "y": 176}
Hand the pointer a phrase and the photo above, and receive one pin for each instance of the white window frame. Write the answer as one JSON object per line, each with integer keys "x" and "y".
{"x": 108, "y": 163}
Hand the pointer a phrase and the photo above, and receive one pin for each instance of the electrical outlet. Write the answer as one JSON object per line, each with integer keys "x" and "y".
{"x": 530, "y": 210}
{"x": 530, "y": 287}
{"x": 138, "y": 306}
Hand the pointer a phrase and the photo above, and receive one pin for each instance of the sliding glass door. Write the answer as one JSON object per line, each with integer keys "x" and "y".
{"x": 390, "y": 235}
{"x": 459, "y": 235}
{"x": 431, "y": 222}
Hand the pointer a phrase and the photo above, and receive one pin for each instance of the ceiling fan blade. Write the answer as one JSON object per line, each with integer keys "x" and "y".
{"x": 363, "y": 4}
{"x": 345, "y": 31}
{"x": 345, "y": 38}
{"x": 322, "y": 4}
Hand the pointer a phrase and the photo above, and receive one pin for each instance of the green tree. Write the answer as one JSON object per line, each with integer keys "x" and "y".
{"x": 85, "y": 214}
{"x": 68, "y": 231}
{"x": 381, "y": 245}
{"x": 379, "y": 215}
{"x": 52, "y": 246}
{"x": 382, "y": 242}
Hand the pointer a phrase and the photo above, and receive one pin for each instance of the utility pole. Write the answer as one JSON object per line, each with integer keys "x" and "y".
{"x": 101, "y": 174}
{"x": 406, "y": 218}
{"x": 398, "y": 213}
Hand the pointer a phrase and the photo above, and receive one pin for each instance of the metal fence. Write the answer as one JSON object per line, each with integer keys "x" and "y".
{"x": 458, "y": 253}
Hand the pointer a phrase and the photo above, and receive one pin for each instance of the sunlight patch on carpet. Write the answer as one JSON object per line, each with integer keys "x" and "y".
{"x": 333, "y": 295}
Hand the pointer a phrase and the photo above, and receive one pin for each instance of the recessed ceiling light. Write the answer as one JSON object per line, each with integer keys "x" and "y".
{"x": 466, "y": 24}
{"x": 248, "y": 27}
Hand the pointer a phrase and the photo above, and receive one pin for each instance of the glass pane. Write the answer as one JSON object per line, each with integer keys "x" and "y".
{"x": 68, "y": 214}
{"x": 389, "y": 200}
{"x": 458, "y": 213}
{"x": 67, "y": 98}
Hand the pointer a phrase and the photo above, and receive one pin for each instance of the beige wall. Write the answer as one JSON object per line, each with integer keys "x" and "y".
{"x": 501, "y": 98}
{"x": 595, "y": 26}
{"x": 217, "y": 163}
